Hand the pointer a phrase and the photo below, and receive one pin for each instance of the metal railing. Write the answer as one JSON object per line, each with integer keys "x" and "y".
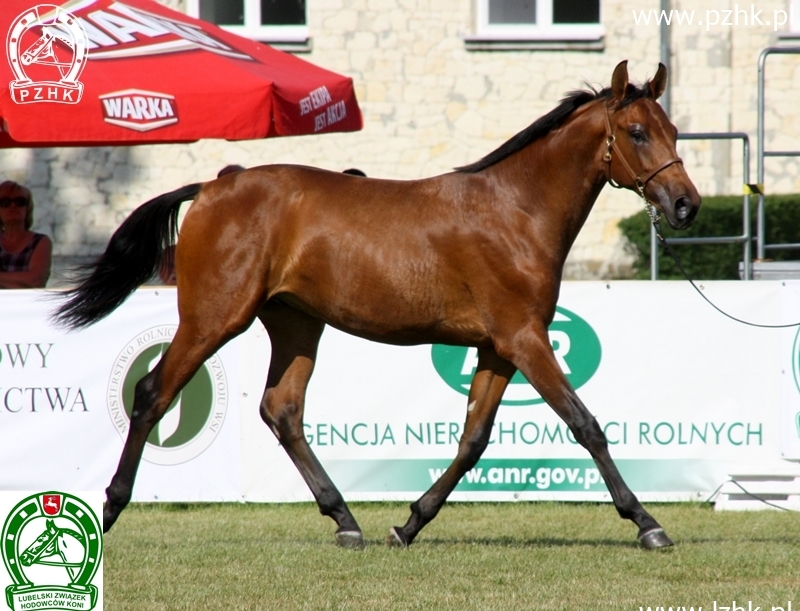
{"x": 746, "y": 237}
{"x": 761, "y": 245}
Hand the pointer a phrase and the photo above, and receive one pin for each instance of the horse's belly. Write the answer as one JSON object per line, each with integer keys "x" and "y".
{"x": 398, "y": 321}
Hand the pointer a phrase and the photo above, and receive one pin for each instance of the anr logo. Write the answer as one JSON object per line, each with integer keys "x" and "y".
{"x": 43, "y": 42}
{"x": 575, "y": 344}
{"x": 195, "y": 417}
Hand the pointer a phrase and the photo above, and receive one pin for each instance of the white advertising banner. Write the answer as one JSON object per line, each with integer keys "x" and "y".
{"x": 685, "y": 396}
{"x": 64, "y": 396}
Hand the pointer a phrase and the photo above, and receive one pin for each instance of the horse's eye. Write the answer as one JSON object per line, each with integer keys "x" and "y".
{"x": 638, "y": 136}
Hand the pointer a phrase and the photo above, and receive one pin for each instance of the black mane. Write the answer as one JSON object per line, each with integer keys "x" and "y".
{"x": 553, "y": 120}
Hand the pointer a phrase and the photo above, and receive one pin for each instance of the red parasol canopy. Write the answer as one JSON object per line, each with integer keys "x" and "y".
{"x": 106, "y": 72}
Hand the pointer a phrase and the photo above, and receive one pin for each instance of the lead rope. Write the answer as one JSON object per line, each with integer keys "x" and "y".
{"x": 654, "y": 217}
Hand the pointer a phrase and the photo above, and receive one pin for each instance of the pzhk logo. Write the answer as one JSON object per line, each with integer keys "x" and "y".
{"x": 195, "y": 417}
{"x": 52, "y": 545}
{"x": 45, "y": 42}
{"x": 456, "y": 364}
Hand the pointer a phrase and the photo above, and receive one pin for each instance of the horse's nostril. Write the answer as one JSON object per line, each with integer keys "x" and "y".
{"x": 682, "y": 207}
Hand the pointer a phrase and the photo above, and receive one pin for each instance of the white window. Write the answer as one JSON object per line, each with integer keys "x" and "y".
{"x": 545, "y": 20}
{"x": 794, "y": 17}
{"x": 264, "y": 20}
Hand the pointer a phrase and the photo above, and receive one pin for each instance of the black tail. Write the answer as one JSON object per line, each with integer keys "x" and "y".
{"x": 131, "y": 258}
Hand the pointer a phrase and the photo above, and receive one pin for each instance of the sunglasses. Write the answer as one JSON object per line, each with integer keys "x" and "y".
{"x": 19, "y": 202}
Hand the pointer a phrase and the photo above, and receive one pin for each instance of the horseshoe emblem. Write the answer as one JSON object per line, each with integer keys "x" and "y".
{"x": 47, "y": 35}
{"x": 51, "y": 545}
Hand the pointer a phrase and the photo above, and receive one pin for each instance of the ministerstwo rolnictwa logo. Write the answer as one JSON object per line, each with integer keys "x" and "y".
{"x": 46, "y": 47}
{"x": 456, "y": 364}
{"x": 52, "y": 544}
{"x": 194, "y": 418}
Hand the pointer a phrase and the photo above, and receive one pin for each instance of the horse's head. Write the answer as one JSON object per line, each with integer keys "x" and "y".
{"x": 640, "y": 148}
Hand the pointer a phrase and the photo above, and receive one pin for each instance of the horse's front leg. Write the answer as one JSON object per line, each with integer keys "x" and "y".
{"x": 295, "y": 337}
{"x": 532, "y": 353}
{"x": 152, "y": 397}
{"x": 485, "y": 394}
{"x": 146, "y": 413}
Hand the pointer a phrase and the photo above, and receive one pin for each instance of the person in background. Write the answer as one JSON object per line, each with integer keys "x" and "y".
{"x": 354, "y": 172}
{"x": 25, "y": 256}
{"x": 166, "y": 269}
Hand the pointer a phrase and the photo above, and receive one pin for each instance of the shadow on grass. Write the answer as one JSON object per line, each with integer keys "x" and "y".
{"x": 513, "y": 542}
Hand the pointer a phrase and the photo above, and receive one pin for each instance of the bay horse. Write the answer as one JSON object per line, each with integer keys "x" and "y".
{"x": 473, "y": 257}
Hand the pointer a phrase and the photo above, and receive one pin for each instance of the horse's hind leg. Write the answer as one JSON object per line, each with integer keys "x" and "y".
{"x": 535, "y": 358}
{"x": 485, "y": 393}
{"x": 295, "y": 336}
{"x": 153, "y": 395}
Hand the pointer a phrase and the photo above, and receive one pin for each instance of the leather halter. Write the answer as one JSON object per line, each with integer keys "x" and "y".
{"x": 639, "y": 181}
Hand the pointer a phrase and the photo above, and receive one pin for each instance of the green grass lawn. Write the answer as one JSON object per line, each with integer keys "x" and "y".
{"x": 499, "y": 556}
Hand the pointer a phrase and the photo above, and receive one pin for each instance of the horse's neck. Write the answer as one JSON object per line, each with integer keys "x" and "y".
{"x": 563, "y": 175}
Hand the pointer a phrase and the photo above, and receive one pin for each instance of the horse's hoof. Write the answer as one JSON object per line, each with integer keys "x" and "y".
{"x": 351, "y": 539}
{"x": 654, "y": 539}
{"x": 393, "y": 539}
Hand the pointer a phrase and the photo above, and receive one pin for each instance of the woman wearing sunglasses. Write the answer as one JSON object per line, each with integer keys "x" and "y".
{"x": 25, "y": 256}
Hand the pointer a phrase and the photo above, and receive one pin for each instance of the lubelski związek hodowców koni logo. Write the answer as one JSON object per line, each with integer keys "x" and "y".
{"x": 52, "y": 544}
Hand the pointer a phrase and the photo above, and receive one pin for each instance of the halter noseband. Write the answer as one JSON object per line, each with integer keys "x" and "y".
{"x": 639, "y": 181}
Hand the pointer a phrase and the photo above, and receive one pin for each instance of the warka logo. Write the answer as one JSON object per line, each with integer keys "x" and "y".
{"x": 195, "y": 417}
{"x": 575, "y": 344}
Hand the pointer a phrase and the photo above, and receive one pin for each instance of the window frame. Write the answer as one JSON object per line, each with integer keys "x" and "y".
{"x": 794, "y": 18}
{"x": 252, "y": 28}
{"x": 543, "y": 30}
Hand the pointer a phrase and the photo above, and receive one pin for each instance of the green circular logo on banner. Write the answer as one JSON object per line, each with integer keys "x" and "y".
{"x": 575, "y": 344}
{"x": 186, "y": 424}
{"x": 796, "y": 374}
{"x": 796, "y": 360}
{"x": 195, "y": 417}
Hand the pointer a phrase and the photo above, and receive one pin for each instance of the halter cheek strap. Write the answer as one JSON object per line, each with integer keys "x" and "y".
{"x": 639, "y": 180}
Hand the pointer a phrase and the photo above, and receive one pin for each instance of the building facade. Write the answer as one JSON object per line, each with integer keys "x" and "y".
{"x": 443, "y": 82}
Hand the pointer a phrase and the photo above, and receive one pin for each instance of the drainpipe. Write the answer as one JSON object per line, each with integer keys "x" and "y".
{"x": 665, "y": 53}
{"x": 665, "y": 103}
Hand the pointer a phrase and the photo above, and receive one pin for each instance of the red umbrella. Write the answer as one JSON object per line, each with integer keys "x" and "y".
{"x": 108, "y": 72}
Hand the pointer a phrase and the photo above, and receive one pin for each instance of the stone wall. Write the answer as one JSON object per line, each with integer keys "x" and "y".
{"x": 430, "y": 104}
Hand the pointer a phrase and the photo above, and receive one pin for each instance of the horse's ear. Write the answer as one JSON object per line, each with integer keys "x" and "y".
{"x": 659, "y": 83}
{"x": 619, "y": 81}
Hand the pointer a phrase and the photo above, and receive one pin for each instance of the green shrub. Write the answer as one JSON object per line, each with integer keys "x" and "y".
{"x": 718, "y": 216}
